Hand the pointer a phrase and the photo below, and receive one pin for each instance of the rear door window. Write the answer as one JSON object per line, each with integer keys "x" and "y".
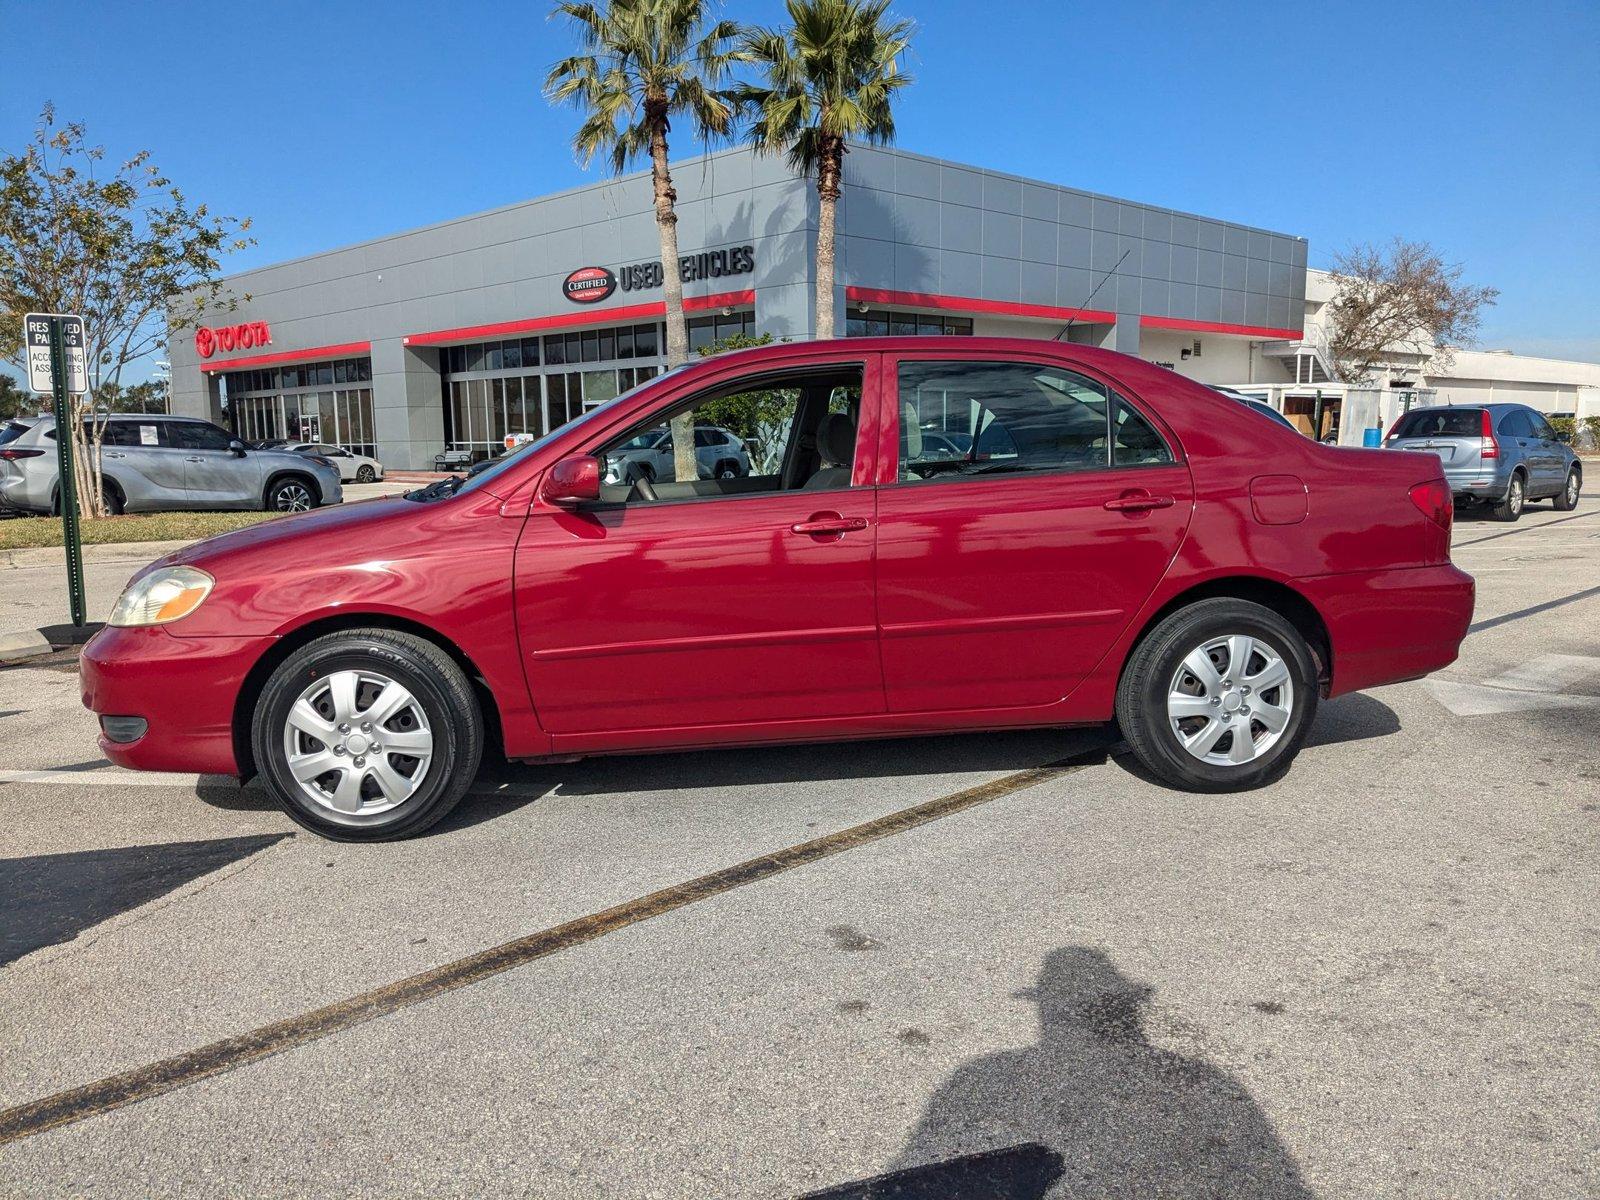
{"x": 1015, "y": 417}
{"x": 1441, "y": 422}
{"x": 1515, "y": 424}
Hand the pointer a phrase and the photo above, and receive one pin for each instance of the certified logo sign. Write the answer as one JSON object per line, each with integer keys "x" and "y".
{"x": 588, "y": 285}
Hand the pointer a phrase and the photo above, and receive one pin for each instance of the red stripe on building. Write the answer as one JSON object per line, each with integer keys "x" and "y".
{"x": 347, "y": 350}
{"x": 999, "y": 308}
{"x": 603, "y": 316}
{"x": 1250, "y": 331}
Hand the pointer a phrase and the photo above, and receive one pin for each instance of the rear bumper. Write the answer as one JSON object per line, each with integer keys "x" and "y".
{"x": 184, "y": 688}
{"x": 1390, "y": 626}
{"x": 1478, "y": 482}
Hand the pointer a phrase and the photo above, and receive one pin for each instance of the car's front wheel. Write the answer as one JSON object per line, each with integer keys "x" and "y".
{"x": 368, "y": 735}
{"x": 1219, "y": 696}
{"x": 1567, "y": 497}
{"x": 291, "y": 495}
{"x": 365, "y": 474}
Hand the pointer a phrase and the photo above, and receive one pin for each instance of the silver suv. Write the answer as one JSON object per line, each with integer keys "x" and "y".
{"x": 718, "y": 452}
{"x": 1501, "y": 454}
{"x": 159, "y": 462}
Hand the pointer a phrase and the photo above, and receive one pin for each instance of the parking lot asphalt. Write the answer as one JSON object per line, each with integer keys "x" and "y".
{"x": 1379, "y": 976}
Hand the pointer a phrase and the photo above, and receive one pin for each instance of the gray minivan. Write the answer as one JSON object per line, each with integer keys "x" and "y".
{"x": 1503, "y": 455}
{"x": 159, "y": 462}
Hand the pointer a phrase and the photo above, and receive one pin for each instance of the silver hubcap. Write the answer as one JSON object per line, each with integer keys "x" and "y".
{"x": 1572, "y": 487}
{"x": 1516, "y": 495}
{"x": 294, "y": 498}
{"x": 357, "y": 743}
{"x": 1229, "y": 701}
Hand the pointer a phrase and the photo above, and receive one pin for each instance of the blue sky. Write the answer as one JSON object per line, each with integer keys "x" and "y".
{"x": 1476, "y": 127}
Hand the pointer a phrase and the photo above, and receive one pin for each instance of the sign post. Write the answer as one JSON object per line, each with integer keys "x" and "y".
{"x": 56, "y": 365}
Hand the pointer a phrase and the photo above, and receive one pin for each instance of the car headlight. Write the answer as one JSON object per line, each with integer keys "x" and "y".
{"x": 162, "y": 596}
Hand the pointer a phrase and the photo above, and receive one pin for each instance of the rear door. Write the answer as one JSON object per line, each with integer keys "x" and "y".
{"x": 214, "y": 476}
{"x": 1004, "y": 575}
{"x": 140, "y": 456}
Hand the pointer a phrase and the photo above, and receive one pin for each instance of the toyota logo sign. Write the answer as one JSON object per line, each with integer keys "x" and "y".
{"x": 588, "y": 285}
{"x": 208, "y": 341}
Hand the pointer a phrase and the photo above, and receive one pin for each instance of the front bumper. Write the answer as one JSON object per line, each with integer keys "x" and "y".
{"x": 1394, "y": 625}
{"x": 185, "y": 689}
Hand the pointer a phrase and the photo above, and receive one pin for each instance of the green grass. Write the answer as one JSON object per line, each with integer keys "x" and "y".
{"x": 20, "y": 533}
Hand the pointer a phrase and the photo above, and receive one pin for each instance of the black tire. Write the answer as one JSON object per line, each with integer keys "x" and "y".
{"x": 285, "y": 494}
{"x": 109, "y": 495}
{"x": 726, "y": 469}
{"x": 1142, "y": 696}
{"x": 365, "y": 474}
{"x": 1510, "y": 506}
{"x": 1567, "y": 498}
{"x": 439, "y": 688}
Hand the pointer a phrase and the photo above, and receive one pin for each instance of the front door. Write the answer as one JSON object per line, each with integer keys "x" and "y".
{"x": 698, "y": 604}
{"x": 1005, "y": 574}
{"x": 214, "y": 476}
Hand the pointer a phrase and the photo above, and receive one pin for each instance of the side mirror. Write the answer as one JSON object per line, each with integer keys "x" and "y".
{"x": 236, "y": 447}
{"x": 572, "y": 480}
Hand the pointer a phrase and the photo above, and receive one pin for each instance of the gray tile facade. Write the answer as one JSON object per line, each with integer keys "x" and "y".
{"x": 908, "y": 223}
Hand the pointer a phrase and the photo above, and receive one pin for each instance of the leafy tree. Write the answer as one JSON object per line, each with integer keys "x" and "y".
{"x": 122, "y": 247}
{"x": 830, "y": 77}
{"x": 16, "y": 400}
{"x": 1399, "y": 299}
{"x": 760, "y": 418}
{"x": 644, "y": 64}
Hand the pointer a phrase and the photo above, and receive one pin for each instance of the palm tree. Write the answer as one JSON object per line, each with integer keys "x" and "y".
{"x": 646, "y": 62}
{"x": 830, "y": 77}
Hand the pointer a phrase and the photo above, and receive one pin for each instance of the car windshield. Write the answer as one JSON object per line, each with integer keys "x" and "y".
{"x": 498, "y": 466}
{"x": 1441, "y": 422}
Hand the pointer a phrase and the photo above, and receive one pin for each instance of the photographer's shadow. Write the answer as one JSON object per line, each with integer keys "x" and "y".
{"x": 1091, "y": 1107}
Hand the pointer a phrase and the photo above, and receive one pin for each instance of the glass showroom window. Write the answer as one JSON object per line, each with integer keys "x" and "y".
{"x": 876, "y": 322}
{"x": 292, "y": 404}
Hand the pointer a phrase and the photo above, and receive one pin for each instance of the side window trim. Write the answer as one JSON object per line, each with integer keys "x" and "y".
{"x": 888, "y": 474}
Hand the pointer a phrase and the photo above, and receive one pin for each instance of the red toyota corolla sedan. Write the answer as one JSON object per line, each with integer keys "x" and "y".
{"x": 916, "y": 535}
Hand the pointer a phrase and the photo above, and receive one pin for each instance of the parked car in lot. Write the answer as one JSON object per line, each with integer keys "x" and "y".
{"x": 1502, "y": 455}
{"x": 1140, "y": 550}
{"x": 353, "y": 467}
{"x": 1257, "y": 406}
{"x": 151, "y": 463}
{"x": 720, "y": 453}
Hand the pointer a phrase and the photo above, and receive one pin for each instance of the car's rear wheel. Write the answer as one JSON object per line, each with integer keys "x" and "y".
{"x": 1219, "y": 696}
{"x": 365, "y": 474}
{"x": 1516, "y": 498}
{"x": 1567, "y": 497}
{"x": 368, "y": 735}
{"x": 291, "y": 495}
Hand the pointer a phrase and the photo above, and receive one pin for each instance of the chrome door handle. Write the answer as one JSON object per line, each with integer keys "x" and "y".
{"x": 194, "y": 458}
{"x": 823, "y": 524}
{"x": 1138, "y": 503}
{"x": 114, "y": 454}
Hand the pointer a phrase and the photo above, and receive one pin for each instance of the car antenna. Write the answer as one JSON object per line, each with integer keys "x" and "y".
{"x": 1068, "y": 327}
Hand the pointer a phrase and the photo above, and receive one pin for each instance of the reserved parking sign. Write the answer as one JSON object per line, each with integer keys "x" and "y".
{"x": 37, "y": 328}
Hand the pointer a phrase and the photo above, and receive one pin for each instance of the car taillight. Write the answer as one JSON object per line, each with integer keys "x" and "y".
{"x": 1491, "y": 448}
{"x": 1433, "y": 501}
{"x": 13, "y": 455}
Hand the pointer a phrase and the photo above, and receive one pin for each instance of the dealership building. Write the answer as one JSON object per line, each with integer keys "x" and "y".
{"x": 451, "y": 337}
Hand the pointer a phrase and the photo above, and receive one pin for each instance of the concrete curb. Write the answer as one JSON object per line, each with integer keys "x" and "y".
{"x": 35, "y": 643}
{"x": 112, "y": 552}
{"x": 18, "y": 647}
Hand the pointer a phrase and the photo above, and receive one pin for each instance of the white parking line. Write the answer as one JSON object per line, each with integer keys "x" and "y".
{"x": 1540, "y": 683}
{"x": 110, "y": 776}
